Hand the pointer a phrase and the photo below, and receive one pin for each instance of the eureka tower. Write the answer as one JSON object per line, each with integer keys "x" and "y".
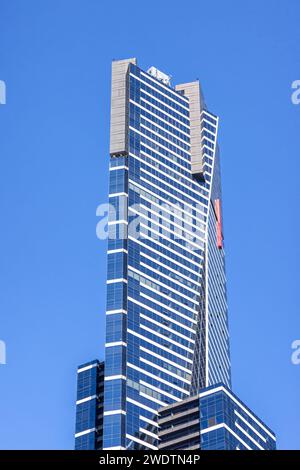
{"x": 166, "y": 314}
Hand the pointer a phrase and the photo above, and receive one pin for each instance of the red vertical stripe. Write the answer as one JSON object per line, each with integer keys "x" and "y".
{"x": 219, "y": 223}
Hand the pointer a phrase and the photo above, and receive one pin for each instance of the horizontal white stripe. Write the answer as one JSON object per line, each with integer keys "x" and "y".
{"x": 83, "y": 400}
{"x": 87, "y": 431}
{"x": 114, "y": 281}
{"x": 115, "y": 343}
{"x": 118, "y": 250}
{"x": 123, "y": 167}
{"x": 114, "y": 412}
{"x": 140, "y": 405}
{"x": 139, "y": 441}
{"x": 115, "y": 377}
{"x": 117, "y": 194}
{"x": 112, "y": 312}
{"x": 145, "y": 431}
{"x": 82, "y": 369}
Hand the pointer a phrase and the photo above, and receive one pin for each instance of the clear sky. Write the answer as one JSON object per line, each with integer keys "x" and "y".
{"x": 55, "y": 57}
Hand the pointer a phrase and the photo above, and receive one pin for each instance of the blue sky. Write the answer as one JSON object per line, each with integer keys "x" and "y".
{"x": 55, "y": 57}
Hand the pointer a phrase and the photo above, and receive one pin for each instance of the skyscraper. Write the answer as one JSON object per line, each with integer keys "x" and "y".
{"x": 166, "y": 317}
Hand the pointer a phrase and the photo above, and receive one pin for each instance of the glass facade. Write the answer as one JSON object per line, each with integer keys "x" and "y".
{"x": 165, "y": 285}
{"x": 89, "y": 406}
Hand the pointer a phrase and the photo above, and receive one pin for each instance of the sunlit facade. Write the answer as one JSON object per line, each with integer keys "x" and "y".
{"x": 167, "y": 354}
{"x": 167, "y": 332}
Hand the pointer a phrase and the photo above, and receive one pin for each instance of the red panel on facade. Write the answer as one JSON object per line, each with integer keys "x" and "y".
{"x": 219, "y": 223}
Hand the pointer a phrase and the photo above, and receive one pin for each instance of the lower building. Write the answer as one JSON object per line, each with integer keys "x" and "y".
{"x": 215, "y": 419}
{"x": 89, "y": 406}
{"x": 167, "y": 334}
